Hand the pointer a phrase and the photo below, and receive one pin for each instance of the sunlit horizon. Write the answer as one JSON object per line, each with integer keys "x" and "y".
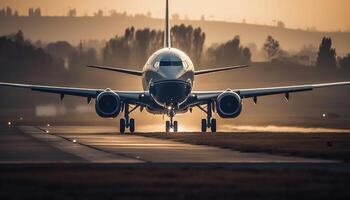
{"x": 321, "y": 14}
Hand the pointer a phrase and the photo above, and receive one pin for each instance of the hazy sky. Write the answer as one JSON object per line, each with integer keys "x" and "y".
{"x": 323, "y": 14}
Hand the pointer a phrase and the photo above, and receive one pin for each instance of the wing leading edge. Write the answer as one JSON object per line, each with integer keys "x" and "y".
{"x": 207, "y": 71}
{"x": 202, "y": 97}
{"x": 116, "y": 69}
{"x": 246, "y": 93}
{"x": 82, "y": 92}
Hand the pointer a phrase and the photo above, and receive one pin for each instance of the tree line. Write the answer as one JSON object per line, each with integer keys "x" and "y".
{"x": 135, "y": 46}
{"x": 72, "y": 12}
{"x": 23, "y": 58}
{"x": 326, "y": 56}
{"x": 36, "y": 59}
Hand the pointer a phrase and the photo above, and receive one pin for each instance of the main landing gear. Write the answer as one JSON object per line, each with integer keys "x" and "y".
{"x": 126, "y": 122}
{"x": 209, "y": 122}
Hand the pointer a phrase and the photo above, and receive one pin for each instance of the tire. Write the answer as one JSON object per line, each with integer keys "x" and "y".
{"x": 175, "y": 126}
{"x": 213, "y": 126}
{"x": 204, "y": 126}
{"x": 167, "y": 126}
{"x": 122, "y": 126}
{"x": 132, "y": 125}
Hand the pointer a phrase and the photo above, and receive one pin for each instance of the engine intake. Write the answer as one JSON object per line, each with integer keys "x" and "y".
{"x": 108, "y": 104}
{"x": 229, "y": 104}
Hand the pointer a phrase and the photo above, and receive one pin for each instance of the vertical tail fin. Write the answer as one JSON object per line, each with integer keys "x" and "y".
{"x": 167, "y": 39}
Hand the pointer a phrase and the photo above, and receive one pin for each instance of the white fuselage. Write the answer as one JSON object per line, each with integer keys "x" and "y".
{"x": 168, "y": 75}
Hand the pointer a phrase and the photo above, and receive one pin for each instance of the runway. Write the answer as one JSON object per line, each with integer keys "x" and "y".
{"x": 93, "y": 144}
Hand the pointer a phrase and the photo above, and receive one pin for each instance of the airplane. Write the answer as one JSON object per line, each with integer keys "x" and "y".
{"x": 167, "y": 79}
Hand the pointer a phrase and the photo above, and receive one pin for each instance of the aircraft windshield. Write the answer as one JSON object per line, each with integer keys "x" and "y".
{"x": 171, "y": 63}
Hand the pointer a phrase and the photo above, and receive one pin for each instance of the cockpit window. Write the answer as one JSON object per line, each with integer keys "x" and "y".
{"x": 185, "y": 64}
{"x": 171, "y": 63}
{"x": 156, "y": 65}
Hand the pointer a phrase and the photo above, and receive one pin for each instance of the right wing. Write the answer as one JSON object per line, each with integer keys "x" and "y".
{"x": 133, "y": 97}
{"x": 115, "y": 69}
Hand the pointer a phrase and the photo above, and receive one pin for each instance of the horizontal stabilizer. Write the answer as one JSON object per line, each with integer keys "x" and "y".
{"x": 115, "y": 69}
{"x": 208, "y": 71}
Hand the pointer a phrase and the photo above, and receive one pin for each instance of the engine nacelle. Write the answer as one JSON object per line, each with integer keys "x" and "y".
{"x": 229, "y": 104}
{"x": 108, "y": 104}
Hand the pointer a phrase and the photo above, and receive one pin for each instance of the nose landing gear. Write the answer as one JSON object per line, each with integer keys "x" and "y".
{"x": 171, "y": 124}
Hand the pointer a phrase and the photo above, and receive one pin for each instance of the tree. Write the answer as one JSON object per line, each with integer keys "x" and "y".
{"x": 99, "y": 13}
{"x": 189, "y": 40}
{"x": 246, "y": 55}
{"x": 72, "y": 12}
{"x": 272, "y": 48}
{"x": 308, "y": 54}
{"x": 326, "y": 56}
{"x": 34, "y": 12}
{"x": 281, "y": 24}
{"x": 18, "y": 37}
{"x": 229, "y": 53}
{"x": 37, "y": 12}
{"x": 135, "y": 46}
{"x": 9, "y": 11}
{"x": 60, "y": 49}
{"x": 30, "y": 12}
{"x": 344, "y": 62}
{"x": 143, "y": 39}
{"x": 117, "y": 50}
{"x": 20, "y": 59}
{"x": 198, "y": 44}
{"x": 80, "y": 58}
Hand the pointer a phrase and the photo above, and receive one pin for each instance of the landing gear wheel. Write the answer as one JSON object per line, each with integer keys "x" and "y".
{"x": 175, "y": 126}
{"x": 213, "y": 125}
{"x": 204, "y": 126}
{"x": 132, "y": 125}
{"x": 122, "y": 126}
{"x": 167, "y": 126}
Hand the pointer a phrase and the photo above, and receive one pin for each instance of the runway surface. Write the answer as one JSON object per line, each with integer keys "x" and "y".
{"x": 93, "y": 144}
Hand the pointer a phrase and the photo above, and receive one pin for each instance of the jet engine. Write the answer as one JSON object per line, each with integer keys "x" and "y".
{"x": 229, "y": 104}
{"x": 108, "y": 104}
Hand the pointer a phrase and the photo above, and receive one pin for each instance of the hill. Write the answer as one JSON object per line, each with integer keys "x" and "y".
{"x": 74, "y": 29}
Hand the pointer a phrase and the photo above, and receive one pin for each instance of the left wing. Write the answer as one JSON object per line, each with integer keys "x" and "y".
{"x": 132, "y": 97}
{"x": 246, "y": 93}
{"x": 257, "y": 92}
{"x": 208, "y": 71}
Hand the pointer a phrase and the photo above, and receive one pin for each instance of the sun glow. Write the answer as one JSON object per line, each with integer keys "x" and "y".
{"x": 327, "y": 15}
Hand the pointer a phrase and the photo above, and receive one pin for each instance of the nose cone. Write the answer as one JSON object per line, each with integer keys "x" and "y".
{"x": 171, "y": 72}
{"x": 170, "y": 92}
